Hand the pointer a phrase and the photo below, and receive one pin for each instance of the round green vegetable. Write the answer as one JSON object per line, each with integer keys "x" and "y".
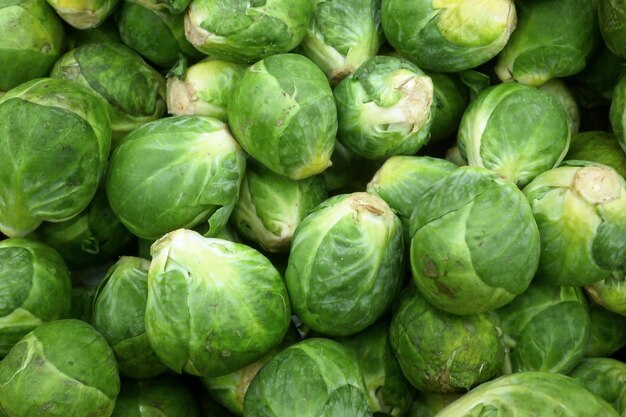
{"x": 61, "y": 369}
{"x": 35, "y": 287}
{"x": 474, "y": 242}
{"x": 247, "y": 31}
{"x": 230, "y": 389}
{"x": 213, "y": 305}
{"x": 494, "y": 132}
{"x": 342, "y": 35}
{"x": 530, "y": 394}
{"x": 55, "y": 138}
{"x": 270, "y": 207}
{"x": 346, "y": 264}
{"x": 203, "y": 88}
{"x": 401, "y": 180}
{"x": 84, "y": 14}
{"x": 553, "y": 38}
{"x": 534, "y": 341}
{"x": 175, "y": 172}
{"x": 283, "y": 114}
{"x": 134, "y": 91}
{"x": 580, "y": 209}
{"x": 316, "y": 377}
{"x": 118, "y": 314}
{"x": 448, "y": 35}
{"x": 385, "y": 108}
{"x": 604, "y": 377}
{"x": 612, "y": 21}
{"x": 442, "y": 352}
{"x": 157, "y": 35}
{"x": 31, "y": 40}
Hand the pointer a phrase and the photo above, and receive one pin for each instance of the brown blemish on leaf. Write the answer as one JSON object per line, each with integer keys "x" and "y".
{"x": 430, "y": 269}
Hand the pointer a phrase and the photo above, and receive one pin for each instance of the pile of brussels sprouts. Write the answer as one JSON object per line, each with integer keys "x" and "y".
{"x": 312, "y": 208}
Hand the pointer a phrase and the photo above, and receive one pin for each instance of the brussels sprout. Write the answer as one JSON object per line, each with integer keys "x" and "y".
{"x": 134, "y": 92}
{"x": 321, "y": 368}
{"x": 607, "y": 332}
{"x": 229, "y": 390}
{"x": 346, "y": 264}
{"x": 61, "y": 369}
{"x": 271, "y": 206}
{"x": 442, "y": 352}
{"x": 474, "y": 243}
{"x": 428, "y": 404}
{"x": 494, "y": 132}
{"x": 84, "y": 14}
{"x": 610, "y": 292}
{"x": 385, "y": 108}
{"x": 560, "y": 90}
{"x": 580, "y": 209}
{"x": 211, "y": 279}
{"x": 283, "y": 114}
{"x": 448, "y": 35}
{"x": 31, "y": 39}
{"x": 247, "y": 31}
{"x": 546, "y": 329}
{"x": 175, "y": 172}
{"x": 604, "y": 377}
{"x": 530, "y": 394}
{"x": 35, "y": 287}
{"x": 612, "y": 21}
{"x": 118, "y": 313}
{"x": 617, "y": 112}
{"x": 594, "y": 85}
{"x": 403, "y": 179}
{"x": 157, "y": 35}
{"x": 55, "y": 138}
{"x": 342, "y": 35}
{"x": 451, "y": 99}
{"x": 345, "y": 165}
{"x": 598, "y": 146}
{"x": 162, "y": 396}
{"x": 203, "y": 88}
{"x": 388, "y": 390}
{"x": 106, "y": 32}
{"x": 540, "y": 49}
{"x": 92, "y": 237}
